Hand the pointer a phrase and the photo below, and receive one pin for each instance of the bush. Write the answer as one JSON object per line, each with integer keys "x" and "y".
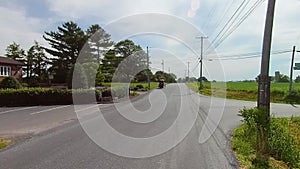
{"x": 106, "y": 93}
{"x": 281, "y": 146}
{"x": 41, "y": 96}
{"x": 10, "y": 83}
{"x": 139, "y": 86}
{"x": 254, "y": 117}
{"x": 119, "y": 92}
{"x": 77, "y": 78}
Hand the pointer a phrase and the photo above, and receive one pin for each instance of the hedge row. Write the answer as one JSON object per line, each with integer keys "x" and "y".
{"x": 42, "y": 96}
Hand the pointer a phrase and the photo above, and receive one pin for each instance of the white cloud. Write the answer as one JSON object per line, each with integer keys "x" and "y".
{"x": 16, "y": 27}
{"x": 108, "y": 10}
{"x": 195, "y": 5}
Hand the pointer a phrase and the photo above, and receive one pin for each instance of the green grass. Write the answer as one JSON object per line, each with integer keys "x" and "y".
{"x": 4, "y": 143}
{"x": 292, "y": 127}
{"x": 244, "y": 90}
{"x": 243, "y": 142}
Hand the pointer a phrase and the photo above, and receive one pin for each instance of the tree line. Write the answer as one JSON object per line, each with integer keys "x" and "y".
{"x": 100, "y": 57}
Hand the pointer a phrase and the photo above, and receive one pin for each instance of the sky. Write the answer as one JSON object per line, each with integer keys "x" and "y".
{"x": 170, "y": 28}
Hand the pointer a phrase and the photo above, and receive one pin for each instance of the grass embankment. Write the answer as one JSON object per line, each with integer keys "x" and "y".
{"x": 284, "y": 144}
{"x": 244, "y": 90}
{"x": 4, "y": 143}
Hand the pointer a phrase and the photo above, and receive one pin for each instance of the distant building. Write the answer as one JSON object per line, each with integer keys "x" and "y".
{"x": 277, "y": 76}
{"x": 10, "y": 67}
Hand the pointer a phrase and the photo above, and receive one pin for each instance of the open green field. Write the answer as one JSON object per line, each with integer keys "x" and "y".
{"x": 243, "y": 90}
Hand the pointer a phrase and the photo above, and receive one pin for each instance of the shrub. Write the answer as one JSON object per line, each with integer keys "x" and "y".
{"x": 254, "y": 117}
{"x": 41, "y": 96}
{"x": 119, "y": 92}
{"x": 257, "y": 120}
{"x": 106, "y": 93}
{"x": 77, "y": 78}
{"x": 281, "y": 146}
{"x": 139, "y": 86}
{"x": 10, "y": 83}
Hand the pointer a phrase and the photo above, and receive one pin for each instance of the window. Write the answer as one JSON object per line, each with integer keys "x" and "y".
{"x": 5, "y": 71}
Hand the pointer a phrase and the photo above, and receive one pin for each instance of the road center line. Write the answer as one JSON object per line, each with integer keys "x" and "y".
{"x": 55, "y": 108}
{"x": 24, "y": 108}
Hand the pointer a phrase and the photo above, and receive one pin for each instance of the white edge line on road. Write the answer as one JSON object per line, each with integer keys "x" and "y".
{"x": 87, "y": 108}
{"x": 24, "y": 108}
{"x": 55, "y": 108}
{"x": 83, "y": 114}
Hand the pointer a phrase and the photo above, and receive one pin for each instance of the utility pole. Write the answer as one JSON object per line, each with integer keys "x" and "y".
{"x": 292, "y": 68}
{"x": 188, "y": 71}
{"x": 148, "y": 78}
{"x": 263, "y": 101}
{"x": 201, "y": 61}
{"x": 169, "y": 70}
{"x": 264, "y": 79}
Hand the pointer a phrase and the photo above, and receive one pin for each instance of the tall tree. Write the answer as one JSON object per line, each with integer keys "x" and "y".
{"x": 77, "y": 78}
{"x": 110, "y": 63}
{"x": 91, "y": 71}
{"x": 99, "y": 41}
{"x": 66, "y": 44}
{"x": 14, "y": 51}
{"x": 134, "y": 59}
{"x": 126, "y": 48}
{"x": 142, "y": 76}
{"x": 168, "y": 77}
{"x": 36, "y": 62}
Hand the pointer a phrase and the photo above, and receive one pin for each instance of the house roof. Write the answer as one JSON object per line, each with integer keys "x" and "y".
{"x": 7, "y": 60}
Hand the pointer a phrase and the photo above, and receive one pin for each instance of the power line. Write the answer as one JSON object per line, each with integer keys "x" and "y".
{"x": 245, "y": 16}
{"x": 231, "y": 25}
{"x": 222, "y": 17}
{"x": 230, "y": 19}
{"x": 247, "y": 55}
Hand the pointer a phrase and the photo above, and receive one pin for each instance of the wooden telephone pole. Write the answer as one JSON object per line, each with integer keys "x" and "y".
{"x": 263, "y": 101}
{"x": 264, "y": 79}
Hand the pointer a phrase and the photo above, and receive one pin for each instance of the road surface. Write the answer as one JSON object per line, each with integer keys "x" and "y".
{"x": 57, "y": 141}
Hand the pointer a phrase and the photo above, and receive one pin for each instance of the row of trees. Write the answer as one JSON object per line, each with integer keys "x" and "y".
{"x": 34, "y": 59}
{"x": 92, "y": 49}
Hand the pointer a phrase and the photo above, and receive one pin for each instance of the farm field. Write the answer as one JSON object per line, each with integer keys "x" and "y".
{"x": 244, "y": 90}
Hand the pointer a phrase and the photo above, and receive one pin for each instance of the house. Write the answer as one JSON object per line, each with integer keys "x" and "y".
{"x": 10, "y": 67}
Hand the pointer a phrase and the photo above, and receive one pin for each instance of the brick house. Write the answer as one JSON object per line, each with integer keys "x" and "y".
{"x": 10, "y": 67}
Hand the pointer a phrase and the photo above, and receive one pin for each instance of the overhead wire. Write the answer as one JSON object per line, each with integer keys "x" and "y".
{"x": 247, "y": 55}
{"x": 228, "y": 22}
{"x": 247, "y": 14}
{"x": 233, "y": 23}
{"x": 229, "y": 6}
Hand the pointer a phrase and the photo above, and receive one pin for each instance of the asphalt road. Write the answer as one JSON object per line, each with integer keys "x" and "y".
{"x": 57, "y": 140}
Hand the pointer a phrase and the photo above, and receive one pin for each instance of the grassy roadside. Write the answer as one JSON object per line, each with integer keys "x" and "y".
{"x": 4, "y": 143}
{"x": 285, "y": 144}
{"x": 243, "y": 90}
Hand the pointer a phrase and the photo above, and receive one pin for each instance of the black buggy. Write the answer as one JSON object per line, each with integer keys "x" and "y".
{"x": 161, "y": 84}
